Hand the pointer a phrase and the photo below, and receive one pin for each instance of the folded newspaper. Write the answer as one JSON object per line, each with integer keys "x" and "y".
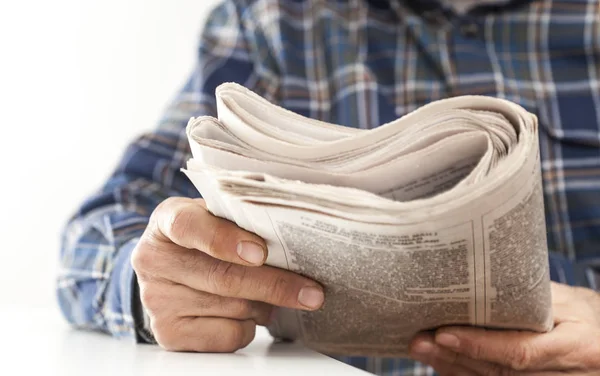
{"x": 434, "y": 219}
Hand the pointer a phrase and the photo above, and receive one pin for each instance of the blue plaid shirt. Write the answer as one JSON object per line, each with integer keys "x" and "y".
{"x": 360, "y": 63}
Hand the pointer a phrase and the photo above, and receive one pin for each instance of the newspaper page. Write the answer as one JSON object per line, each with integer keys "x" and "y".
{"x": 434, "y": 219}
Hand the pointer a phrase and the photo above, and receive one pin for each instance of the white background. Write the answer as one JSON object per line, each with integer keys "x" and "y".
{"x": 78, "y": 80}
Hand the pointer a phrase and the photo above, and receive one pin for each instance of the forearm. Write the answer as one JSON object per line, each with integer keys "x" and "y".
{"x": 96, "y": 285}
{"x": 96, "y": 280}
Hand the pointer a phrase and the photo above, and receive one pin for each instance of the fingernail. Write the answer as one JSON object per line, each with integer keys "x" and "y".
{"x": 311, "y": 297}
{"x": 422, "y": 348}
{"x": 447, "y": 340}
{"x": 251, "y": 252}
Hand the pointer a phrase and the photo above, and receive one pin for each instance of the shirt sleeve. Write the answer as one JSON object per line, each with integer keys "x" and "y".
{"x": 96, "y": 286}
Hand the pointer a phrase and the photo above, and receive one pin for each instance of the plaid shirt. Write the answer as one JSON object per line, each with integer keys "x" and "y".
{"x": 360, "y": 63}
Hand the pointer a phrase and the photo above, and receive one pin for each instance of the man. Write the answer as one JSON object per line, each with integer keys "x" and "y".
{"x": 195, "y": 282}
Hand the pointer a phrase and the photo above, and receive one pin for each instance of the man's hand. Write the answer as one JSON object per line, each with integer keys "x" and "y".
{"x": 202, "y": 283}
{"x": 571, "y": 348}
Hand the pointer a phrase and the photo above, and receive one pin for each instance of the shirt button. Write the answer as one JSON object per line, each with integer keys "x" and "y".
{"x": 469, "y": 29}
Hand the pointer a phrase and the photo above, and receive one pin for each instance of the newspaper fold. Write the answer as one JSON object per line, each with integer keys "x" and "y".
{"x": 434, "y": 219}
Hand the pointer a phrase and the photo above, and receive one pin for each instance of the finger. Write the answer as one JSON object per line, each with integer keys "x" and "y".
{"x": 187, "y": 223}
{"x": 519, "y": 350}
{"x": 164, "y": 300}
{"x": 204, "y": 334}
{"x": 444, "y": 369}
{"x": 564, "y": 306}
{"x": 574, "y": 304}
{"x": 424, "y": 349}
{"x": 266, "y": 284}
{"x": 561, "y": 293}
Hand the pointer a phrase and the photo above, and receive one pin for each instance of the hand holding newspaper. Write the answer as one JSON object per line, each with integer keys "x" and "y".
{"x": 434, "y": 219}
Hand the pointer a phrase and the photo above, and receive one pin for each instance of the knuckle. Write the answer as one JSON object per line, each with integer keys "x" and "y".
{"x": 151, "y": 298}
{"x": 520, "y": 357}
{"x": 165, "y": 334}
{"x": 179, "y": 222}
{"x": 225, "y": 276}
{"x": 143, "y": 257}
{"x": 139, "y": 260}
{"x": 218, "y": 233}
{"x": 242, "y": 308}
{"x": 475, "y": 350}
{"x": 165, "y": 207}
{"x": 170, "y": 202}
{"x": 235, "y": 337}
{"x": 280, "y": 288}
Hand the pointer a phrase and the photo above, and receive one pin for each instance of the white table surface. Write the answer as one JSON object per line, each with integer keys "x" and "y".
{"x": 37, "y": 341}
